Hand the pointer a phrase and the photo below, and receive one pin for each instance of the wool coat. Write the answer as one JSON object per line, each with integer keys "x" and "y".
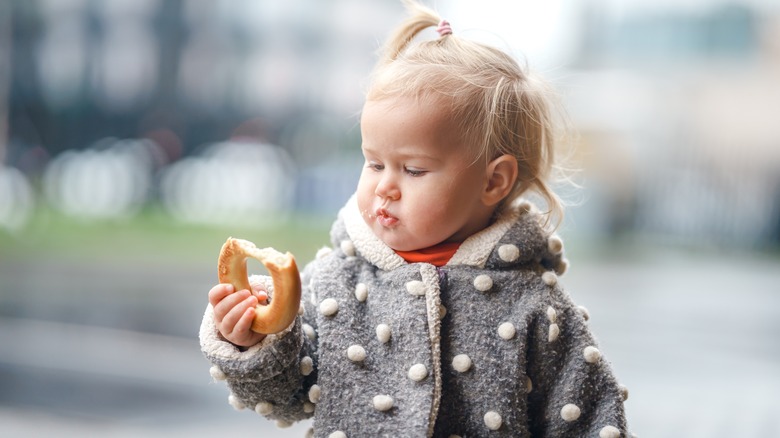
{"x": 487, "y": 345}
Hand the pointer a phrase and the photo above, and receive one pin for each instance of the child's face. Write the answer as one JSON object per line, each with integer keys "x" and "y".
{"x": 420, "y": 185}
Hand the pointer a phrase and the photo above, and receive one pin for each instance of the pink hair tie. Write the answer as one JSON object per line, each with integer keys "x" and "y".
{"x": 444, "y": 28}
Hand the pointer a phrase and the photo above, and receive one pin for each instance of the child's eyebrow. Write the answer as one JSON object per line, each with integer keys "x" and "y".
{"x": 403, "y": 155}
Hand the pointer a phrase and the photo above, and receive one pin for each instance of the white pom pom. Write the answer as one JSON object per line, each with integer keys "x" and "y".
{"x": 338, "y": 434}
{"x": 383, "y": 333}
{"x": 264, "y": 408}
{"x": 307, "y": 366}
{"x": 348, "y": 247}
{"x": 217, "y": 373}
{"x": 609, "y": 432}
{"x": 553, "y": 333}
{"x": 549, "y": 278}
{"x": 323, "y": 252}
{"x": 236, "y": 403}
{"x": 415, "y": 287}
{"x": 623, "y": 392}
{"x": 309, "y": 332}
{"x": 592, "y": 354}
{"x": 552, "y": 315}
{"x": 329, "y": 307}
{"x": 308, "y": 407}
{"x": 493, "y": 420}
{"x": 570, "y": 412}
{"x": 525, "y": 206}
{"x": 361, "y": 292}
{"x": 529, "y": 385}
{"x": 483, "y": 283}
{"x": 301, "y": 310}
{"x": 584, "y": 312}
{"x": 555, "y": 245}
{"x": 418, "y": 372}
{"x": 442, "y": 312}
{"x": 506, "y": 330}
{"x": 562, "y": 267}
{"x": 508, "y": 253}
{"x": 383, "y": 402}
{"x": 356, "y": 353}
{"x": 282, "y": 424}
{"x": 314, "y": 393}
{"x": 461, "y": 363}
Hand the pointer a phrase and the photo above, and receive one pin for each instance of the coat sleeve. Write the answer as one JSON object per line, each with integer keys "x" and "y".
{"x": 276, "y": 376}
{"x": 573, "y": 390}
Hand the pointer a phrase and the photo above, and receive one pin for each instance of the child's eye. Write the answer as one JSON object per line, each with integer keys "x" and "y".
{"x": 375, "y": 166}
{"x": 411, "y": 171}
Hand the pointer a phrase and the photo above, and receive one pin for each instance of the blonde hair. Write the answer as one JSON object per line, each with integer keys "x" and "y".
{"x": 501, "y": 109}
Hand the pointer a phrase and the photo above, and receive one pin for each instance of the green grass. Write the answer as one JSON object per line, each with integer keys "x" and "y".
{"x": 153, "y": 235}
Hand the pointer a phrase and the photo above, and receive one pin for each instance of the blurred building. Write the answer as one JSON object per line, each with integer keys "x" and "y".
{"x": 677, "y": 111}
{"x": 675, "y": 103}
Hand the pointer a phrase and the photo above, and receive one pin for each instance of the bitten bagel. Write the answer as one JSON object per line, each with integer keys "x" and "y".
{"x": 283, "y": 308}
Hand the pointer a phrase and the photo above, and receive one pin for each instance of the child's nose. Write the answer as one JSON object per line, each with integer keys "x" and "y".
{"x": 387, "y": 188}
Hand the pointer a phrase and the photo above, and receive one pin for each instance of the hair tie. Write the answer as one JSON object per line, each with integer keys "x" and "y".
{"x": 444, "y": 28}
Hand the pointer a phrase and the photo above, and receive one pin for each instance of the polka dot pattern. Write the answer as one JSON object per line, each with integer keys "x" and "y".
{"x": 264, "y": 408}
{"x": 383, "y": 403}
{"x": 549, "y": 278}
{"x": 552, "y": 314}
{"x": 418, "y": 372}
{"x": 623, "y": 392}
{"x": 483, "y": 283}
{"x": 508, "y": 253}
{"x": 506, "y": 331}
{"x": 356, "y": 353}
{"x": 337, "y": 434}
{"x": 461, "y": 363}
{"x": 592, "y": 354}
{"x": 609, "y": 432}
{"x": 217, "y": 373}
{"x": 493, "y": 420}
{"x": 555, "y": 245}
{"x": 236, "y": 402}
{"x": 329, "y": 307}
{"x": 383, "y": 333}
{"x": 307, "y": 366}
{"x": 309, "y": 332}
{"x": 348, "y": 247}
{"x": 323, "y": 252}
{"x": 361, "y": 292}
{"x": 314, "y": 393}
{"x": 416, "y": 287}
{"x": 553, "y": 333}
{"x": 570, "y": 412}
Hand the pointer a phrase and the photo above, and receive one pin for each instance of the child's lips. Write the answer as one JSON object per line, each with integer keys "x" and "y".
{"x": 385, "y": 219}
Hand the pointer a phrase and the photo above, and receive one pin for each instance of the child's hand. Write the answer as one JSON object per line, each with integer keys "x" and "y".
{"x": 234, "y": 313}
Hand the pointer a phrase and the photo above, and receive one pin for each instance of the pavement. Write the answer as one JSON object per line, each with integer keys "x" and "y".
{"x": 110, "y": 349}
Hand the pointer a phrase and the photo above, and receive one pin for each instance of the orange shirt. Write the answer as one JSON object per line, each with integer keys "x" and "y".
{"x": 437, "y": 255}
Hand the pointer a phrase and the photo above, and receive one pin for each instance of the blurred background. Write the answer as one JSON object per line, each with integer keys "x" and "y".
{"x": 136, "y": 135}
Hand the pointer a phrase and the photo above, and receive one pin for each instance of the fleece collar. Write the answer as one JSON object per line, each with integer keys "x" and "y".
{"x": 474, "y": 251}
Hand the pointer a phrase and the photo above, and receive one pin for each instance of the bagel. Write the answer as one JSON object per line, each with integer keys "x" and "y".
{"x": 283, "y": 307}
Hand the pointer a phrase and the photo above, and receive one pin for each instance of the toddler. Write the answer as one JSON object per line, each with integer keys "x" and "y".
{"x": 438, "y": 310}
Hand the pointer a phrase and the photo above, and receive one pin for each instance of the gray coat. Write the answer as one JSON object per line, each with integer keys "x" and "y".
{"x": 488, "y": 345}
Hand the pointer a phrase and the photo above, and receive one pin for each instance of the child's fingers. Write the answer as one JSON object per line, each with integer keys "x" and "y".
{"x": 233, "y": 316}
{"x": 259, "y": 291}
{"x": 219, "y": 292}
{"x": 244, "y": 323}
{"x": 224, "y": 306}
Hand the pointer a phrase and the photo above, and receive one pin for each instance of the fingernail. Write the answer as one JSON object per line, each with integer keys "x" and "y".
{"x": 229, "y": 288}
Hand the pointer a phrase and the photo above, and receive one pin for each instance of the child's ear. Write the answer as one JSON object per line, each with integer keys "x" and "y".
{"x": 501, "y": 174}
